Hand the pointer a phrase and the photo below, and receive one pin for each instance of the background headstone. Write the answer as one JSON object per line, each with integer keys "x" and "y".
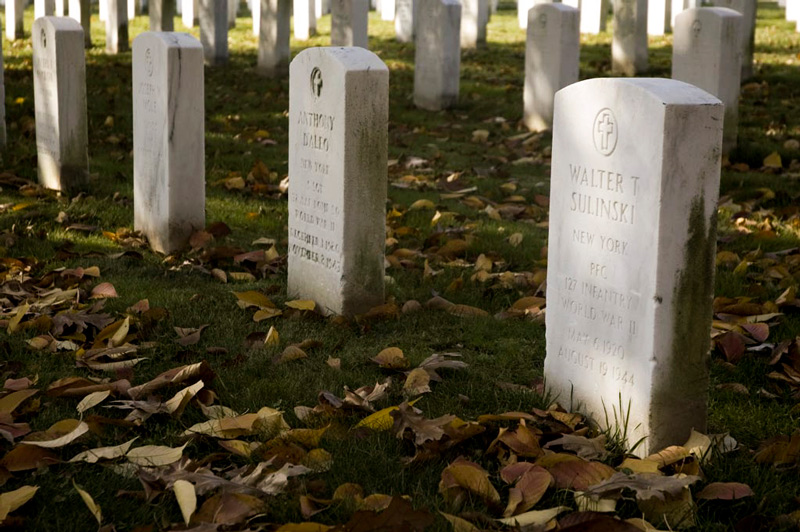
{"x": 273, "y": 41}
{"x": 747, "y": 8}
{"x": 162, "y": 15}
{"x": 61, "y": 8}
{"x": 14, "y": 19}
{"x": 338, "y": 137}
{"x": 631, "y": 253}
{"x": 322, "y": 8}
{"x": 387, "y": 10}
{"x": 305, "y": 20}
{"x": 81, "y": 11}
{"x": 629, "y": 43}
{"x": 214, "y": 31}
{"x": 134, "y": 9}
{"x": 659, "y": 17}
{"x": 593, "y": 16}
{"x": 552, "y": 53}
{"x": 437, "y": 59}
{"x": 189, "y": 12}
{"x": 706, "y": 54}
{"x": 45, "y": 8}
{"x": 3, "y": 139}
{"x": 117, "y": 26}
{"x": 59, "y": 91}
{"x": 168, "y": 139}
{"x": 474, "y": 19}
{"x": 349, "y": 19}
{"x": 406, "y": 19}
{"x": 103, "y": 10}
{"x": 233, "y": 11}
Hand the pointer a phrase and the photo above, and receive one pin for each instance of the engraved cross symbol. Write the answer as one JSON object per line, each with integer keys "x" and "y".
{"x": 316, "y": 82}
{"x": 605, "y": 127}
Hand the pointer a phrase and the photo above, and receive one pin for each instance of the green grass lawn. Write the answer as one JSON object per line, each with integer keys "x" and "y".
{"x": 436, "y": 155}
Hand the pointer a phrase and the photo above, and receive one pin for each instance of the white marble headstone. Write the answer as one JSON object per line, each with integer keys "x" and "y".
{"x": 273, "y": 40}
{"x": 706, "y": 53}
{"x": 406, "y": 19}
{"x": 747, "y": 8}
{"x": 213, "y": 16}
{"x": 349, "y": 19}
{"x": 162, "y": 15}
{"x": 189, "y": 12}
{"x": 552, "y": 53}
{"x": 44, "y": 8}
{"x": 81, "y": 12}
{"x": 168, "y": 138}
{"x": 59, "y": 90}
{"x": 387, "y": 10}
{"x": 629, "y": 43}
{"x": 593, "y": 16}
{"x": 338, "y": 135}
{"x": 437, "y": 59}
{"x": 117, "y": 26}
{"x": 659, "y": 17}
{"x": 15, "y": 10}
{"x": 305, "y": 19}
{"x": 474, "y": 19}
{"x": 233, "y": 11}
{"x": 631, "y": 254}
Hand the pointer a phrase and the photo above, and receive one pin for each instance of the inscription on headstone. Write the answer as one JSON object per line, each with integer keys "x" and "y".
{"x": 634, "y": 188}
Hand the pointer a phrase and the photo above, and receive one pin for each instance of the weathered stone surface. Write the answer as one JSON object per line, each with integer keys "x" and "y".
{"x": 406, "y": 19}
{"x": 162, "y": 15}
{"x": 117, "y": 26}
{"x": 437, "y": 59}
{"x": 552, "y": 53}
{"x": 273, "y": 41}
{"x": 631, "y": 252}
{"x": 706, "y": 54}
{"x": 81, "y": 11}
{"x": 338, "y": 134}
{"x": 168, "y": 139}
{"x": 747, "y": 8}
{"x": 349, "y": 20}
{"x": 305, "y": 20}
{"x": 474, "y": 19}
{"x": 59, "y": 91}
{"x": 629, "y": 45}
{"x": 214, "y": 31}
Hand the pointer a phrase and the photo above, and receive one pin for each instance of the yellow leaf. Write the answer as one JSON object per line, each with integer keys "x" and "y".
{"x": 535, "y": 518}
{"x": 475, "y": 481}
{"x": 422, "y": 204}
{"x": 773, "y": 160}
{"x": 640, "y": 466}
{"x": 103, "y": 453}
{"x": 459, "y": 524}
{"x": 155, "y": 455}
{"x": 176, "y": 405}
{"x": 92, "y": 400}
{"x": 74, "y": 429}
{"x": 417, "y": 382}
{"x": 186, "y": 497}
{"x": 10, "y": 402}
{"x": 382, "y": 419}
{"x": 291, "y": 352}
{"x": 93, "y": 507}
{"x": 11, "y": 500}
{"x": 303, "y": 527}
{"x": 391, "y": 358}
{"x": 13, "y": 323}
{"x": 119, "y": 336}
{"x": 301, "y": 304}
{"x": 252, "y": 298}
{"x": 266, "y": 314}
{"x": 466, "y": 311}
{"x": 273, "y": 338}
{"x": 318, "y": 459}
{"x": 242, "y": 276}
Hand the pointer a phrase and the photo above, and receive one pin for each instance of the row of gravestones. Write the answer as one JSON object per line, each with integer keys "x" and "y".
{"x": 705, "y": 53}
{"x": 634, "y": 186}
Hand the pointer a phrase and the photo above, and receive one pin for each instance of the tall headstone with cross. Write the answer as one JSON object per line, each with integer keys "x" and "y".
{"x": 305, "y": 19}
{"x": 406, "y": 19}
{"x": 552, "y": 53}
{"x": 168, "y": 139}
{"x": 59, "y": 92}
{"x": 162, "y": 15}
{"x": 631, "y": 255}
{"x": 437, "y": 59}
{"x": 349, "y": 23}
{"x": 338, "y": 135}
{"x": 214, "y": 31}
{"x": 474, "y": 19}
{"x": 629, "y": 44}
{"x": 117, "y": 26}
{"x": 15, "y": 10}
{"x": 747, "y": 8}
{"x": 81, "y": 12}
{"x": 706, "y": 53}
{"x": 273, "y": 40}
